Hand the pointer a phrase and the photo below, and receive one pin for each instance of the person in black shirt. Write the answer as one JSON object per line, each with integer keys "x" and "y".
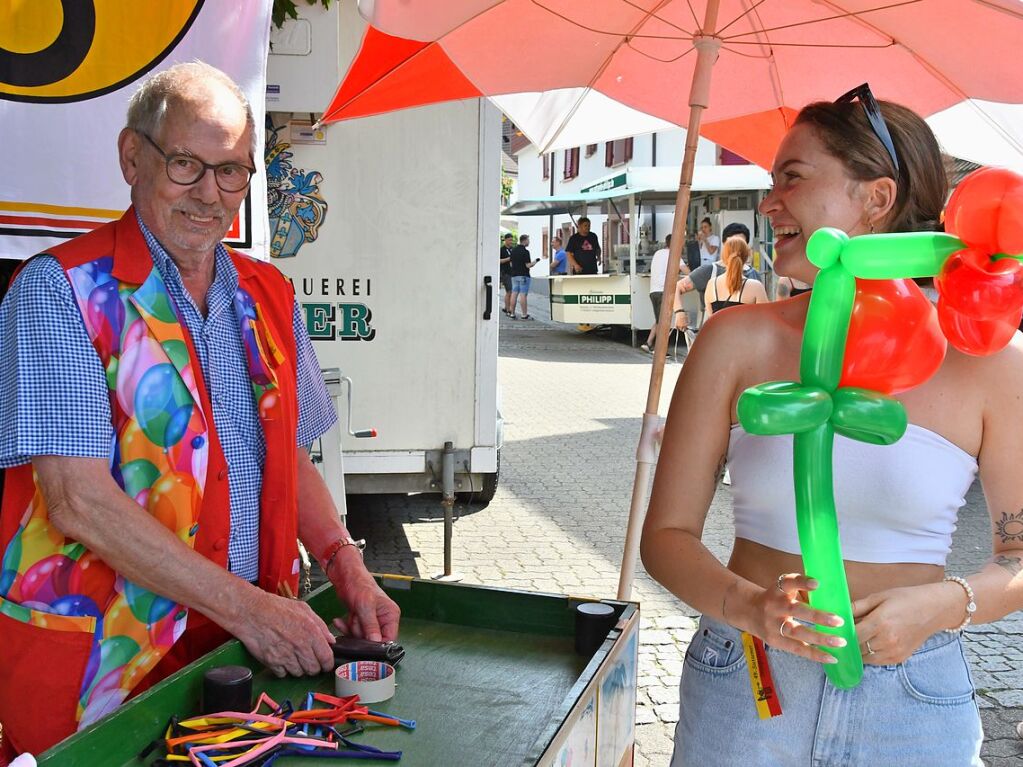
{"x": 521, "y": 263}
{"x": 583, "y": 250}
{"x": 506, "y": 282}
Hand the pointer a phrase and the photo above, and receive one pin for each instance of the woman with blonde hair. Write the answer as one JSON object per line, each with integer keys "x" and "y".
{"x": 733, "y": 284}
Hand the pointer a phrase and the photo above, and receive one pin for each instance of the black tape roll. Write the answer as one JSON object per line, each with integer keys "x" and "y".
{"x": 227, "y": 688}
{"x": 593, "y": 621}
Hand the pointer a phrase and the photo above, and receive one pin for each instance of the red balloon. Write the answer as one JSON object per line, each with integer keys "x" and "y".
{"x": 986, "y": 211}
{"x": 979, "y": 337}
{"x": 894, "y": 341}
{"x": 977, "y": 286}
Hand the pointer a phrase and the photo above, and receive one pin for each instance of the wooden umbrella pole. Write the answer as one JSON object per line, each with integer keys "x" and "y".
{"x": 646, "y": 453}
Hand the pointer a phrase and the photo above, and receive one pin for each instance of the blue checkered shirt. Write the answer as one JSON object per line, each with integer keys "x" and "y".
{"x": 54, "y": 398}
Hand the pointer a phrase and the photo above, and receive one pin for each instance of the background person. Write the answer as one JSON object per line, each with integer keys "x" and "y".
{"x": 709, "y": 242}
{"x": 789, "y": 288}
{"x": 658, "y": 271}
{"x": 507, "y": 246}
{"x": 898, "y": 504}
{"x": 583, "y": 249}
{"x": 733, "y": 288}
{"x": 559, "y": 264}
{"x": 698, "y": 279}
{"x": 157, "y": 396}
{"x": 521, "y": 263}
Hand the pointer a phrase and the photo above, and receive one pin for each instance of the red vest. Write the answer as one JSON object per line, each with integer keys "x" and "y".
{"x": 51, "y": 647}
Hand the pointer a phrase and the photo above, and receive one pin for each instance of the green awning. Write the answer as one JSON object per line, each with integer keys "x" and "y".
{"x": 560, "y": 204}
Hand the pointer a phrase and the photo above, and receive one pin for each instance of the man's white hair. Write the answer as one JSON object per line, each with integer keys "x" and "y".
{"x": 171, "y": 87}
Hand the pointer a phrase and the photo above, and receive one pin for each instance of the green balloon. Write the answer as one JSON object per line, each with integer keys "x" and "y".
{"x": 868, "y": 416}
{"x": 899, "y": 255}
{"x": 782, "y": 407}
{"x": 815, "y": 409}
{"x": 817, "y": 525}
{"x": 827, "y": 323}
{"x": 825, "y": 247}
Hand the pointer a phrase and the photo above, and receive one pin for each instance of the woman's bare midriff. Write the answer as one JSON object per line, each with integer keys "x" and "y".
{"x": 762, "y": 565}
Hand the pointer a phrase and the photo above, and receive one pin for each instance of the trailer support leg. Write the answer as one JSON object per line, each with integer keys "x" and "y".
{"x": 448, "y": 502}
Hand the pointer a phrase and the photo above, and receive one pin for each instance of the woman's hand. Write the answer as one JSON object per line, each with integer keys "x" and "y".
{"x": 778, "y": 611}
{"x": 891, "y": 625}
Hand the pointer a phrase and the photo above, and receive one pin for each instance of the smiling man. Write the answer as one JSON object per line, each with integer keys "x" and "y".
{"x": 157, "y": 394}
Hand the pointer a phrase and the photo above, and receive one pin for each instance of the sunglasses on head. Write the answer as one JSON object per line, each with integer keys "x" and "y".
{"x": 874, "y": 116}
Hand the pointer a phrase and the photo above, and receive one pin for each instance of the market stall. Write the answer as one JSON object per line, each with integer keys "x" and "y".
{"x": 639, "y": 202}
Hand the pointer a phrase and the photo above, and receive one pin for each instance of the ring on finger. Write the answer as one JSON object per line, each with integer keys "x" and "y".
{"x": 781, "y": 628}
{"x": 870, "y": 650}
{"x": 778, "y": 582}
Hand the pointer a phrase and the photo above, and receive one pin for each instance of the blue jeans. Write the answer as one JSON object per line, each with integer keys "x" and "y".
{"x": 521, "y": 284}
{"x": 919, "y": 713}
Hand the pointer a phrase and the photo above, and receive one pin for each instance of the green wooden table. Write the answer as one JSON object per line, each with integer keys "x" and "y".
{"x": 490, "y": 676}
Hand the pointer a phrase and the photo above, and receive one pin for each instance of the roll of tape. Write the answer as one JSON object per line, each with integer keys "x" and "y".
{"x": 371, "y": 680}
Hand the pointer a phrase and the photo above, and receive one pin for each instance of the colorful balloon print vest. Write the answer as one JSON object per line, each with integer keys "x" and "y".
{"x": 165, "y": 456}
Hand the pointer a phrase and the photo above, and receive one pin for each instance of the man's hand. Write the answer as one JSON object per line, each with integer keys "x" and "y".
{"x": 371, "y": 613}
{"x": 573, "y": 265}
{"x": 285, "y": 635}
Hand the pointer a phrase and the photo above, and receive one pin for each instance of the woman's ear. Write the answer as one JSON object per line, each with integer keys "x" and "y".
{"x": 880, "y": 199}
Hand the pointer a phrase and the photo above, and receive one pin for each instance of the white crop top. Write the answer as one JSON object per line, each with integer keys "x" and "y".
{"x": 896, "y": 503}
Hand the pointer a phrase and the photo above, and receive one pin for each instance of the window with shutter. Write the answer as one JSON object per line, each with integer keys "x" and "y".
{"x": 618, "y": 152}
{"x": 571, "y": 163}
{"x": 591, "y": 149}
{"x": 546, "y": 166}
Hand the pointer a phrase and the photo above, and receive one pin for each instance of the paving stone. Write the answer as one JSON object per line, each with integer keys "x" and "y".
{"x": 663, "y": 694}
{"x": 645, "y": 715}
{"x": 1007, "y": 697}
{"x": 667, "y": 712}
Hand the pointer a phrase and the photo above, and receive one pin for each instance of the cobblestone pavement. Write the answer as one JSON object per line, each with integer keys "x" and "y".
{"x": 572, "y": 404}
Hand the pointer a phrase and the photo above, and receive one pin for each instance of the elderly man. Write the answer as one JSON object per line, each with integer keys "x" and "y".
{"x": 157, "y": 392}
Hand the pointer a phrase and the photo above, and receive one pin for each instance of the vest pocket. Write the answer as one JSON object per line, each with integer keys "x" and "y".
{"x": 44, "y": 657}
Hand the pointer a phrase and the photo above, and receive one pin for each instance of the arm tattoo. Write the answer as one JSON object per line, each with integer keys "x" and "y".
{"x": 1010, "y": 527}
{"x": 1012, "y": 564}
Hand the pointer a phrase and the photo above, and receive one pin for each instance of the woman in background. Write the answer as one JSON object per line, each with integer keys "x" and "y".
{"x": 735, "y": 288}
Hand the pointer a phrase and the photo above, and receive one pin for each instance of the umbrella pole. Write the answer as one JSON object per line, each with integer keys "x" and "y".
{"x": 646, "y": 453}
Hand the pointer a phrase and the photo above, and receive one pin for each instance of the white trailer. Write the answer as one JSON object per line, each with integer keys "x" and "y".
{"x": 388, "y": 229}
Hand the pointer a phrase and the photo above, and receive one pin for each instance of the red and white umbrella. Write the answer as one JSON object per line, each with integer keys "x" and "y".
{"x": 956, "y": 60}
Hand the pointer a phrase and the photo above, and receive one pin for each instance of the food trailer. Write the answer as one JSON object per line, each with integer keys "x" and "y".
{"x": 637, "y": 205}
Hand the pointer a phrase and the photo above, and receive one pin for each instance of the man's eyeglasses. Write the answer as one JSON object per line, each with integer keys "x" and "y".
{"x": 184, "y": 169}
{"x": 877, "y": 123}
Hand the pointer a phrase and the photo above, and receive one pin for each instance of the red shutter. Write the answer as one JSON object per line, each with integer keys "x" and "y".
{"x": 571, "y": 163}
{"x": 591, "y": 149}
{"x": 546, "y": 166}
{"x": 627, "y": 149}
{"x": 609, "y": 153}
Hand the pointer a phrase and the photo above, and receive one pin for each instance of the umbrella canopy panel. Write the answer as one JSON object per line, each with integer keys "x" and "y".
{"x": 774, "y": 57}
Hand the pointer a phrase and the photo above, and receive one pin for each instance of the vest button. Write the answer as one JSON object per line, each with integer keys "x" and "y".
{"x": 219, "y": 544}
{"x": 222, "y": 475}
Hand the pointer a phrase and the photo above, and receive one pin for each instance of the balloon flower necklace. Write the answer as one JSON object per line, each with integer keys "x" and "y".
{"x": 864, "y": 299}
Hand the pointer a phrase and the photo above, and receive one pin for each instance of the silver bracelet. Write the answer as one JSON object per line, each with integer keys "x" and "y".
{"x": 971, "y": 606}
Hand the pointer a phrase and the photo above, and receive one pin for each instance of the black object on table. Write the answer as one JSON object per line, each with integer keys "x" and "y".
{"x": 593, "y": 622}
{"x": 226, "y": 688}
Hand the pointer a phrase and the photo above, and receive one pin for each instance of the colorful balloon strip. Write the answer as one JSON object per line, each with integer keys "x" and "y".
{"x": 979, "y": 307}
{"x": 238, "y": 738}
